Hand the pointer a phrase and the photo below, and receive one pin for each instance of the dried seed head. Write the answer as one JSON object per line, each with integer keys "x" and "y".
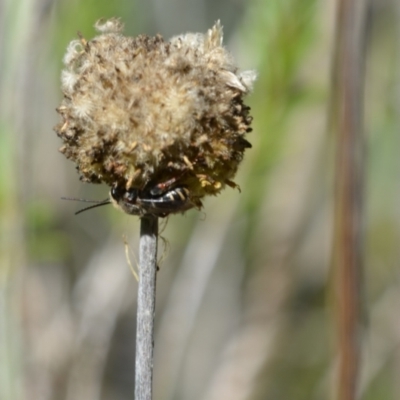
{"x": 142, "y": 110}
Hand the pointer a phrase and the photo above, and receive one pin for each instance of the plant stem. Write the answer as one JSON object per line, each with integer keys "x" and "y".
{"x": 349, "y": 65}
{"x": 146, "y": 307}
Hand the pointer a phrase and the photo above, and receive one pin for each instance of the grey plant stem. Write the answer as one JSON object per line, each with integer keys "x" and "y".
{"x": 146, "y": 307}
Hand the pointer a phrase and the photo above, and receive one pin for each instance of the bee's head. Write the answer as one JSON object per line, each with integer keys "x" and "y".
{"x": 125, "y": 200}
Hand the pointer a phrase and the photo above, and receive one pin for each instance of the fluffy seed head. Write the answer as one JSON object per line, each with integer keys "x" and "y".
{"x": 139, "y": 111}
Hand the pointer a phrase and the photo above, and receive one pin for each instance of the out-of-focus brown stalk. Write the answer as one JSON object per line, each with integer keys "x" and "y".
{"x": 348, "y": 81}
{"x": 146, "y": 307}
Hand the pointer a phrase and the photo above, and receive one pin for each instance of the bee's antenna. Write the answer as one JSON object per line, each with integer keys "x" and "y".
{"x": 102, "y": 203}
{"x": 98, "y": 203}
{"x": 83, "y": 200}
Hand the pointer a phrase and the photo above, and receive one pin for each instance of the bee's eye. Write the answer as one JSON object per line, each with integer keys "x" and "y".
{"x": 115, "y": 192}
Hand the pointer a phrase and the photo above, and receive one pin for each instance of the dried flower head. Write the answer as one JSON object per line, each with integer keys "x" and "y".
{"x": 141, "y": 111}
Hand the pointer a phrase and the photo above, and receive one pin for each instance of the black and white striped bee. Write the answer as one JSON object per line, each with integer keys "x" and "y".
{"x": 152, "y": 201}
{"x": 160, "y": 200}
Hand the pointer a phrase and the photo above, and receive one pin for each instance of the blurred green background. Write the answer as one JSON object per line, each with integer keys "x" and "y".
{"x": 244, "y": 304}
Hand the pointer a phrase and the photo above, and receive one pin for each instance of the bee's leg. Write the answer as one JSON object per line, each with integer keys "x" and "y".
{"x": 160, "y": 188}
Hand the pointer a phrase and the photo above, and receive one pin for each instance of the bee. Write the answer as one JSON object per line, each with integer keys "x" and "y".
{"x": 159, "y": 199}
{"x": 151, "y": 201}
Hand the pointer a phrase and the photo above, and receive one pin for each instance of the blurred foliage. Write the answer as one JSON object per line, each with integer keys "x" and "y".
{"x": 242, "y": 306}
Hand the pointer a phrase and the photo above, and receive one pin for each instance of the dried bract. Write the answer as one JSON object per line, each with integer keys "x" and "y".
{"x": 141, "y": 111}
